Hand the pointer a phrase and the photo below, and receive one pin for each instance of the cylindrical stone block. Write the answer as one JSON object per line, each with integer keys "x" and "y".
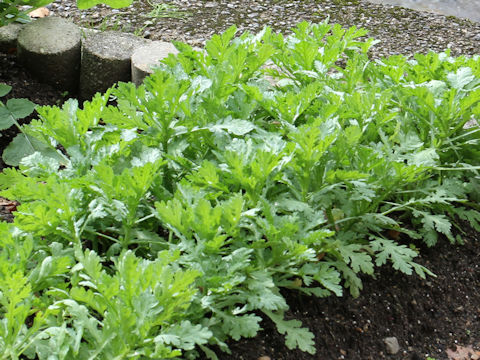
{"x": 50, "y": 49}
{"x": 106, "y": 59}
{"x": 8, "y": 37}
{"x": 145, "y": 58}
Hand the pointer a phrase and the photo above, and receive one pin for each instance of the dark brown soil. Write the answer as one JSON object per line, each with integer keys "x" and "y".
{"x": 426, "y": 316}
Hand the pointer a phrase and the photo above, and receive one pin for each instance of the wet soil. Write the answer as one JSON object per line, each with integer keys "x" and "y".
{"x": 427, "y": 317}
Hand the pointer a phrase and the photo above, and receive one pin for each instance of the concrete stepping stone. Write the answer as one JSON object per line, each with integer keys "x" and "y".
{"x": 147, "y": 57}
{"x": 8, "y": 36}
{"x": 50, "y": 49}
{"x": 106, "y": 59}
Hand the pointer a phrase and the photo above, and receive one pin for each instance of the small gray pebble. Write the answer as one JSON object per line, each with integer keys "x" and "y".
{"x": 392, "y": 345}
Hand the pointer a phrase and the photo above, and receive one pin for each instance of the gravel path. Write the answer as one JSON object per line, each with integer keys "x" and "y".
{"x": 469, "y": 9}
{"x": 399, "y": 30}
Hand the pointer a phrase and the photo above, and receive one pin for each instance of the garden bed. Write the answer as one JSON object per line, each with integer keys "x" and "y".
{"x": 427, "y": 317}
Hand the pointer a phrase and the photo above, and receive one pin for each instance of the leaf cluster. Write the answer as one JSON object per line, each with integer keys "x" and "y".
{"x": 10, "y": 112}
{"x": 164, "y": 225}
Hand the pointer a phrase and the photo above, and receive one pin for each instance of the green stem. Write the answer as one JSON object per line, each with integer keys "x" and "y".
{"x": 102, "y": 235}
{"x": 144, "y": 218}
{"x": 456, "y": 169}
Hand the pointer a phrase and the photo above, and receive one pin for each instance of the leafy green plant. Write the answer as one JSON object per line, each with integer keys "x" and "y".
{"x": 22, "y": 145}
{"x": 255, "y": 165}
{"x": 23, "y": 276}
{"x": 14, "y": 109}
{"x": 138, "y": 311}
{"x": 10, "y": 113}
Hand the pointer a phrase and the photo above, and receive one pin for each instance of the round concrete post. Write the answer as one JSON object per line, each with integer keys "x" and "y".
{"x": 145, "y": 58}
{"x": 106, "y": 59}
{"x": 50, "y": 49}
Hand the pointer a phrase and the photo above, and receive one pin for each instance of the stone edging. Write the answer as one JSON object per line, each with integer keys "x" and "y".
{"x": 82, "y": 61}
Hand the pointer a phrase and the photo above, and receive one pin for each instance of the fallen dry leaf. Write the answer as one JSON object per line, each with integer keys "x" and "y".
{"x": 393, "y": 234}
{"x": 9, "y": 205}
{"x": 39, "y": 13}
{"x": 463, "y": 353}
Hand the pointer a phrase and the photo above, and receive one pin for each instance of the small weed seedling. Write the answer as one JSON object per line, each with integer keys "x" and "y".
{"x": 162, "y": 10}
